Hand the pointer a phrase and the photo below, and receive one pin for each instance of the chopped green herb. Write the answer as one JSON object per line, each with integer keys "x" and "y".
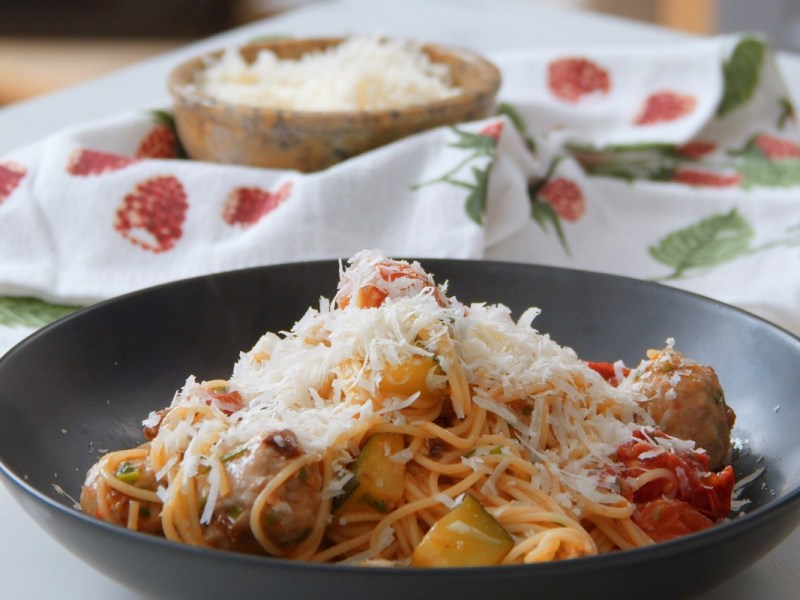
{"x": 527, "y": 410}
{"x": 719, "y": 397}
{"x": 234, "y": 512}
{"x": 234, "y": 454}
{"x": 496, "y": 450}
{"x": 271, "y": 519}
{"x": 127, "y": 473}
{"x": 303, "y": 474}
{"x": 220, "y": 389}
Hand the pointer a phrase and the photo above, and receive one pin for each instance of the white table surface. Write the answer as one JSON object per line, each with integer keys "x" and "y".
{"x": 33, "y": 566}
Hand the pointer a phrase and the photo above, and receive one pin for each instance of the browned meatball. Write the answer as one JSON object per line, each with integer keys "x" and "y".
{"x": 118, "y": 503}
{"x": 686, "y": 401}
{"x": 297, "y": 501}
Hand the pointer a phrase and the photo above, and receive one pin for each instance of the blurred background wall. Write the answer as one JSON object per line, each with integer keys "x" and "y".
{"x": 48, "y": 44}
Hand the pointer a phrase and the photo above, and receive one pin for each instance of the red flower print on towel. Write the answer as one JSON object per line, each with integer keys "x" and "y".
{"x": 152, "y": 215}
{"x": 493, "y": 130}
{"x": 555, "y": 198}
{"x": 162, "y": 140}
{"x": 565, "y": 197}
{"x": 775, "y": 148}
{"x": 665, "y": 106}
{"x": 83, "y": 162}
{"x": 696, "y": 149}
{"x": 246, "y": 205}
{"x": 11, "y": 174}
{"x": 700, "y": 178}
{"x": 158, "y": 143}
{"x": 570, "y": 79}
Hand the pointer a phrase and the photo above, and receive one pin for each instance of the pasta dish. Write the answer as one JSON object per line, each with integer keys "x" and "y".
{"x": 395, "y": 425}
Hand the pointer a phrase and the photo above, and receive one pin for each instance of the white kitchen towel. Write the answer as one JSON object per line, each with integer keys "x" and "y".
{"x": 677, "y": 164}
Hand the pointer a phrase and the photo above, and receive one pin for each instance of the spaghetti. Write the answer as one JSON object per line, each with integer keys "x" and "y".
{"x": 395, "y": 425}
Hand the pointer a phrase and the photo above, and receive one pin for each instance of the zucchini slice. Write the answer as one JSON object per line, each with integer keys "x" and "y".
{"x": 467, "y": 536}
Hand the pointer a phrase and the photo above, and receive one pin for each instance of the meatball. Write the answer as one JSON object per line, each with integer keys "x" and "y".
{"x": 296, "y": 504}
{"x": 686, "y": 401}
{"x": 118, "y": 503}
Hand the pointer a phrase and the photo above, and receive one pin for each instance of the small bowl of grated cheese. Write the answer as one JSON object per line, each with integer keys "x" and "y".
{"x": 307, "y": 104}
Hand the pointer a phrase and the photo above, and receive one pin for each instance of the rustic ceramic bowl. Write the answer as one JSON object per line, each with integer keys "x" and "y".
{"x": 222, "y": 132}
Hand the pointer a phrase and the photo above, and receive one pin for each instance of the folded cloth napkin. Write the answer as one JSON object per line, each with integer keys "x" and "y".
{"x": 678, "y": 164}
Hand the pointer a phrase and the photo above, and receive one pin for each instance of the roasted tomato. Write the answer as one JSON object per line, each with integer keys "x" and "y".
{"x": 665, "y": 519}
{"x": 608, "y": 371}
{"x": 688, "y": 498}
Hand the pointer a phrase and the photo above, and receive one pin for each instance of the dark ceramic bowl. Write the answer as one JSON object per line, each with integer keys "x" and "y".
{"x": 216, "y": 131}
{"x": 97, "y": 373}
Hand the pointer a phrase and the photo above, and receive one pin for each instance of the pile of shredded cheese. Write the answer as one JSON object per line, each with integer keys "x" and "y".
{"x": 318, "y": 378}
{"x": 359, "y": 74}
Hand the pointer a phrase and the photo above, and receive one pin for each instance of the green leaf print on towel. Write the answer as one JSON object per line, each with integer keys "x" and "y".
{"x": 711, "y": 242}
{"x": 759, "y": 172}
{"x": 766, "y": 160}
{"x": 740, "y": 74}
{"x": 787, "y": 114}
{"x": 510, "y": 111}
{"x": 769, "y": 161}
{"x": 654, "y": 161}
{"x": 30, "y": 312}
{"x": 482, "y": 146}
{"x": 476, "y": 200}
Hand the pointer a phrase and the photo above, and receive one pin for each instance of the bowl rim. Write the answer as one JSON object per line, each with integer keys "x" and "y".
{"x": 183, "y": 90}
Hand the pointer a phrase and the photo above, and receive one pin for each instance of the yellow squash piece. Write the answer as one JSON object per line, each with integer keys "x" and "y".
{"x": 467, "y": 536}
{"x": 410, "y": 377}
{"x": 378, "y": 481}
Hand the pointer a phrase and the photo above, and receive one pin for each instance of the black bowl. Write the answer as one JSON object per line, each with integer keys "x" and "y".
{"x": 83, "y": 385}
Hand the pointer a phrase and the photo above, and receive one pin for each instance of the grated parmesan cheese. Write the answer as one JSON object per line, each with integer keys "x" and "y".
{"x": 319, "y": 380}
{"x": 359, "y": 74}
